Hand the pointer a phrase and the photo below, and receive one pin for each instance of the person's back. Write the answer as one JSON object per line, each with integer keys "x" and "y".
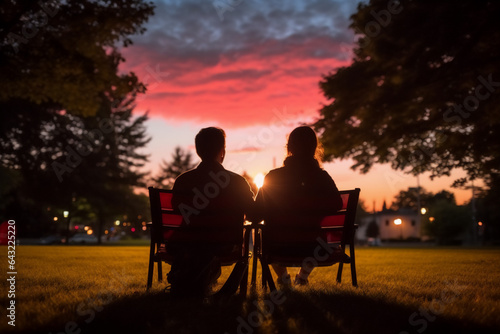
{"x": 299, "y": 189}
{"x": 300, "y": 186}
{"x": 212, "y": 191}
{"x": 213, "y": 203}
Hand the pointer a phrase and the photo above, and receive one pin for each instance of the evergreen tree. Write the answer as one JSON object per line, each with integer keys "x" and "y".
{"x": 182, "y": 161}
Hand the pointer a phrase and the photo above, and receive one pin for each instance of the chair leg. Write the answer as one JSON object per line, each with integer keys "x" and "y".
{"x": 258, "y": 253}
{"x": 341, "y": 266}
{"x": 151, "y": 267}
{"x": 353, "y": 266}
{"x": 160, "y": 275}
{"x": 339, "y": 272}
{"x": 254, "y": 260}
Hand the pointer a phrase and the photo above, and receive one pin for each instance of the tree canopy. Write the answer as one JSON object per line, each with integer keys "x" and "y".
{"x": 64, "y": 54}
{"x": 67, "y": 132}
{"x": 408, "y": 199}
{"x": 422, "y": 91}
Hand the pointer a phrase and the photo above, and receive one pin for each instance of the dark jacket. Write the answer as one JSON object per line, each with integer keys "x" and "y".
{"x": 210, "y": 191}
{"x": 299, "y": 188}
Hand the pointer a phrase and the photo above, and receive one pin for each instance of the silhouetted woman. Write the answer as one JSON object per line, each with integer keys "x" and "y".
{"x": 301, "y": 188}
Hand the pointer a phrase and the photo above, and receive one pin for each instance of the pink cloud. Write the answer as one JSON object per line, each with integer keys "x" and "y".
{"x": 239, "y": 90}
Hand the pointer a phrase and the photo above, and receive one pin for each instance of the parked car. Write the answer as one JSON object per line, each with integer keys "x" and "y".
{"x": 51, "y": 240}
{"x": 82, "y": 238}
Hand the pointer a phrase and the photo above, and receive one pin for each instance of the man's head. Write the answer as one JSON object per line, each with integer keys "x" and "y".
{"x": 211, "y": 144}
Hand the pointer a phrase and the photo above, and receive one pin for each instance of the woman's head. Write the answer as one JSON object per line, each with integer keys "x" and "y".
{"x": 303, "y": 143}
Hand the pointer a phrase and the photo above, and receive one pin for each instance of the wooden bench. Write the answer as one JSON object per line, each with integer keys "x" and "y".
{"x": 331, "y": 234}
{"x": 168, "y": 226}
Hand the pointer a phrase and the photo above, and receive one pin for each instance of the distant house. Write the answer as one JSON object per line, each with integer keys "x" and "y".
{"x": 393, "y": 224}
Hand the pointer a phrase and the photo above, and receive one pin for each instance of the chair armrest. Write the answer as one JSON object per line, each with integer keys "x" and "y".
{"x": 166, "y": 227}
{"x": 337, "y": 227}
{"x": 334, "y": 228}
{"x": 259, "y": 225}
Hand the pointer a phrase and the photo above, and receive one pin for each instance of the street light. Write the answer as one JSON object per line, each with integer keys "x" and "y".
{"x": 68, "y": 232}
{"x": 423, "y": 211}
{"x": 399, "y": 222}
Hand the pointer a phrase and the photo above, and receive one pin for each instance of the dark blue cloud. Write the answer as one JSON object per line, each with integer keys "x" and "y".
{"x": 193, "y": 30}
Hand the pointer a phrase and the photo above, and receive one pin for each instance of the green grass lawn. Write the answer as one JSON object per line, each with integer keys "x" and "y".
{"x": 93, "y": 289}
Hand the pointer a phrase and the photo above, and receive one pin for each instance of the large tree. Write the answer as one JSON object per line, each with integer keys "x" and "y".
{"x": 422, "y": 91}
{"x": 66, "y": 123}
{"x": 65, "y": 54}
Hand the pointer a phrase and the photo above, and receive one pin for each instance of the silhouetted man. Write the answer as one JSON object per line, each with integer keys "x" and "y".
{"x": 213, "y": 202}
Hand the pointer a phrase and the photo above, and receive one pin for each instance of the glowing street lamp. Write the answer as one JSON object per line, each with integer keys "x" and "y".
{"x": 423, "y": 211}
{"x": 68, "y": 231}
{"x": 399, "y": 222}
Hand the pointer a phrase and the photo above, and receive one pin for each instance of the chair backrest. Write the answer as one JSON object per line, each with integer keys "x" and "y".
{"x": 218, "y": 225}
{"x": 345, "y": 217}
{"x": 303, "y": 228}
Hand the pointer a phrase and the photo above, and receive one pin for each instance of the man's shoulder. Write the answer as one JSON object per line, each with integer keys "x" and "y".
{"x": 185, "y": 175}
{"x": 233, "y": 174}
{"x": 236, "y": 179}
{"x": 186, "y": 179}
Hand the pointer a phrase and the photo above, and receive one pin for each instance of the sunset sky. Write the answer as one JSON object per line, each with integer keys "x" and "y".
{"x": 252, "y": 68}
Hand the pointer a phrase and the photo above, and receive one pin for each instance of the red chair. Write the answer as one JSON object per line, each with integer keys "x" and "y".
{"x": 168, "y": 226}
{"x": 282, "y": 238}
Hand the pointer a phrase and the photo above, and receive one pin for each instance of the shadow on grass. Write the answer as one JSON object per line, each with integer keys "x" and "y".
{"x": 294, "y": 311}
{"x": 344, "y": 312}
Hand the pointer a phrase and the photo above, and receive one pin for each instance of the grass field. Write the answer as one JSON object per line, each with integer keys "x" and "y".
{"x": 93, "y": 289}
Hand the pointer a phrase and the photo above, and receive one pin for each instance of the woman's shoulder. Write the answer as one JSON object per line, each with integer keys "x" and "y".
{"x": 277, "y": 172}
{"x": 326, "y": 176}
